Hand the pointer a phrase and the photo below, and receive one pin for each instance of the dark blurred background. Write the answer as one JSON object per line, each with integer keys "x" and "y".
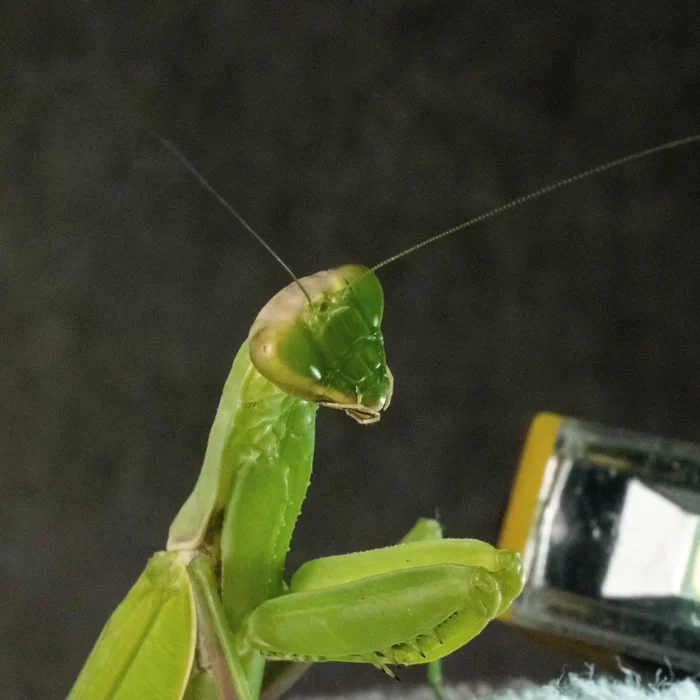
{"x": 343, "y": 132}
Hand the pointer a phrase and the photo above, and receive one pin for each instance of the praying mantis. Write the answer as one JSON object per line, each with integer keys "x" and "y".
{"x": 211, "y": 610}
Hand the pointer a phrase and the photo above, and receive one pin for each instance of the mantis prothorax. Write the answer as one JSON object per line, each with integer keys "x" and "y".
{"x": 207, "y": 613}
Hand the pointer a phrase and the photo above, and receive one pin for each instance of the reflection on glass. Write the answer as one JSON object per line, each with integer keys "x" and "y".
{"x": 613, "y": 555}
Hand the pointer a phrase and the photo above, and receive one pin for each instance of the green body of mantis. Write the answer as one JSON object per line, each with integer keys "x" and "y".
{"x": 206, "y": 614}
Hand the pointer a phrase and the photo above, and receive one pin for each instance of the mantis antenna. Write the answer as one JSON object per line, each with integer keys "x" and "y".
{"x": 209, "y": 188}
{"x": 518, "y": 201}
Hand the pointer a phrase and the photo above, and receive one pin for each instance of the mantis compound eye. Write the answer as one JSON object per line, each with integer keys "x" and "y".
{"x": 331, "y": 350}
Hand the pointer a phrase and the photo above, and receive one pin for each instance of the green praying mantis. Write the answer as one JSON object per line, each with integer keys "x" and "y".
{"x": 210, "y": 611}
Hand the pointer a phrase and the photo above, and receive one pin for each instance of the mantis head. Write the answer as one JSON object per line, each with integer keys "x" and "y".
{"x": 320, "y": 340}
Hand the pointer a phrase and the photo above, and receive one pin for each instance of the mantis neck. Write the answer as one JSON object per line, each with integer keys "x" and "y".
{"x": 249, "y": 492}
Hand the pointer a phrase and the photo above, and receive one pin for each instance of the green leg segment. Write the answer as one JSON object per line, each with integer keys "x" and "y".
{"x": 281, "y": 675}
{"x": 430, "y": 529}
{"x": 207, "y": 593}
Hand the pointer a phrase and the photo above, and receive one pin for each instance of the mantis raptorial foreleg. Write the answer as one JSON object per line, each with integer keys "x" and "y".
{"x": 431, "y": 598}
{"x": 407, "y": 604}
{"x": 284, "y": 674}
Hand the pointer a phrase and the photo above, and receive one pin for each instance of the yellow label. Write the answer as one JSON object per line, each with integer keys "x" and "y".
{"x": 539, "y": 447}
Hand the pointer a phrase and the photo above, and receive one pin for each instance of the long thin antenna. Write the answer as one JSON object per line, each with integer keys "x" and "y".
{"x": 539, "y": 193}
{"x": 209, "y": 188}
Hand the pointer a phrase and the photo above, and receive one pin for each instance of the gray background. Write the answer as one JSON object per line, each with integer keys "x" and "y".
{"x": 343, "y": 131}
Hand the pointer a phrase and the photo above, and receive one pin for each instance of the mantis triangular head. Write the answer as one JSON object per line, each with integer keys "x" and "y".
{"x": 320, "y": 339}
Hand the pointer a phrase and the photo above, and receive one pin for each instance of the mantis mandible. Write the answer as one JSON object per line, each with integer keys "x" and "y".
{"x": 207, "y": 613}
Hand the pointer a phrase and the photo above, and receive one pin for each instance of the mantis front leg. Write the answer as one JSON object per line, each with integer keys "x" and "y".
{"x": 407, "y": 604}
{"x": 425, "y": 530}
{"x": 282, "y": 675}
